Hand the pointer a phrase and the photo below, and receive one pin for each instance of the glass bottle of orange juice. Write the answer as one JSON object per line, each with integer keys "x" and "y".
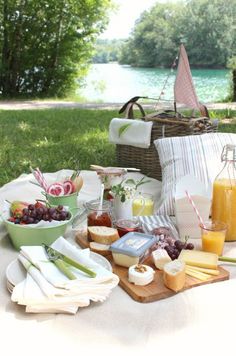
{"x": 224, "y": 193}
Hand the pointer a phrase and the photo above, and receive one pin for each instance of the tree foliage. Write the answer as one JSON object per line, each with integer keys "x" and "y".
{"x": 107, "y": 50}
{"x": 46, "y": 44}
{"x": 206, "y": 27}
{"x": 232, "y": 66}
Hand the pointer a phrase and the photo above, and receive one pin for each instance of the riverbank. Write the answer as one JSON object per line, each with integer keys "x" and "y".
{"x": 44, "y": 104}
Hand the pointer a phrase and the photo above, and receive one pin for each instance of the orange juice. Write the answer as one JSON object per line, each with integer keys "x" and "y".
{"x": 143, "y": 206}
{"x": 213, "y": 241}
{"x": 224, "y": 205}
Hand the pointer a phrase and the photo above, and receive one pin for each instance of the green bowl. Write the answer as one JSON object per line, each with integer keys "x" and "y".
{"x": 65, "y": 200}
{"x": 21, "y": 235}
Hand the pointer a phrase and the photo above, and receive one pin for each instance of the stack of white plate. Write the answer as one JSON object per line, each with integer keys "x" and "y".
{"x": 15, "y": 272}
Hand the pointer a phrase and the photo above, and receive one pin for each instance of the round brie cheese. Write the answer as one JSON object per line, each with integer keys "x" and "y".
{"x": 140, "y": 274}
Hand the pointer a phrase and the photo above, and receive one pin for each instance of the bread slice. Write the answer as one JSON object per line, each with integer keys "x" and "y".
{"x": 97, "y": 247}
{"x": 103, "y": 235}
{"x": 174, "y": 275}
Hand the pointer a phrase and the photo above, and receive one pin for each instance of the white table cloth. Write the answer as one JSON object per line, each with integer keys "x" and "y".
{"x": 197, "y": 321}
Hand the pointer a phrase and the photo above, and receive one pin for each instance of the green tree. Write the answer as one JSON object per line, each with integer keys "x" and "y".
{"x": 107, "y": 50}
{"x": 45, "y": 45}
{"x": 232, "y": 66}
{"x": 151, "y": 43}
{"x": 207, "y": 27}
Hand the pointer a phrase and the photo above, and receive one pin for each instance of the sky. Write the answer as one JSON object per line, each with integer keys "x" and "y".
{"x": 123, "y": 20}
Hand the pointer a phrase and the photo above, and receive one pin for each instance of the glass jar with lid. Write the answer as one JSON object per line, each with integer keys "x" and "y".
{"x": 110, "y": 176}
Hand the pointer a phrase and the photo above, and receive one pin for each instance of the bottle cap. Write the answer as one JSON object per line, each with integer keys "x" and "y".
{"x": 229, "y": 153}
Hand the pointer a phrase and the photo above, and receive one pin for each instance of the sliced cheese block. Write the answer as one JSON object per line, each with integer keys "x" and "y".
{"x": 103, "y": 235}
{"x": 140, "y": 275}
{"x": 160, "y": 258}
{"x": 174, "y": 275}
{"x": 196, "y": 274}
{"x": 213, "y": 272}
{"x": 199, "y": 258}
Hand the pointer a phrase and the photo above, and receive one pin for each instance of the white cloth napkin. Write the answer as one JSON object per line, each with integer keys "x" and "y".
{"x": 46, "y": 289}
{"x": 135, "y": 133}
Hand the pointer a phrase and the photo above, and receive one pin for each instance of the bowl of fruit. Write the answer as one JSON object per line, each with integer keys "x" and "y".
{"x": 33, "y": 224}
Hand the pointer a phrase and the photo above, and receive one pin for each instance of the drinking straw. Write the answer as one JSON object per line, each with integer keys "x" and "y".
{"x": 195, "y": 209}
{"x": 38, "y": 175}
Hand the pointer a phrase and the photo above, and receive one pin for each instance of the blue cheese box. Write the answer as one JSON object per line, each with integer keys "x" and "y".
{"x": 132, "y": 248}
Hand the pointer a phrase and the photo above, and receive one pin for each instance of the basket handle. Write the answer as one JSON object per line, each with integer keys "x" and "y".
{"x": 128, "y": 107}
{"x": 129, "y": 114}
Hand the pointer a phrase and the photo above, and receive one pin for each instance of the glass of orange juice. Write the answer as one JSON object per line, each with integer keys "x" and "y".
{"x": 213, "y": 236}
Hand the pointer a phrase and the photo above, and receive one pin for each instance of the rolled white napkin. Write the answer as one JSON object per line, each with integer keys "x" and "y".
{"x": 38, "y": 257}
{"x": 135, "y": 133}
{"x": 47, "y": 289}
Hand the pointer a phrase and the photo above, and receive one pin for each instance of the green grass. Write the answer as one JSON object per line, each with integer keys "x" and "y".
{"x": 54, "y": 139}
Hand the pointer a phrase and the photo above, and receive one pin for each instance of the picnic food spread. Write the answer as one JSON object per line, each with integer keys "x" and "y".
{"x": 150, "y": 264}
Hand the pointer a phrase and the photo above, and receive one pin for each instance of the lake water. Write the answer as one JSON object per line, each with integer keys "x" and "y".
{"x": 117, "y": 83}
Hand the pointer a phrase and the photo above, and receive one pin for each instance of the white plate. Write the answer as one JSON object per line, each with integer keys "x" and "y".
{"x": 10, "y": 289}
{"x": 16, "y": 273}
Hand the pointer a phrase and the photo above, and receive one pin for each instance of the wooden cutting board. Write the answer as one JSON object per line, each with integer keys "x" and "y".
{"x": 156, "y": 290}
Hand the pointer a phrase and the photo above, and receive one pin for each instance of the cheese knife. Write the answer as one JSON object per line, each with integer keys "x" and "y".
{"x": 62, "y": 262}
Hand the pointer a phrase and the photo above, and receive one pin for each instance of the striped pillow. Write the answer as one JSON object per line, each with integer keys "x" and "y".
{"x": 198, "y": 155}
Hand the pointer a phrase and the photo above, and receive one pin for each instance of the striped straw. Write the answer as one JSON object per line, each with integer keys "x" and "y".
{"x": 40, "y": 178}
{"x": 195, "y": 208}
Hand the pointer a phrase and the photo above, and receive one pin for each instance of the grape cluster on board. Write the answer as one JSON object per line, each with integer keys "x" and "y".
{"x": 172, "y": 246}
{"x": 37, "y": 212}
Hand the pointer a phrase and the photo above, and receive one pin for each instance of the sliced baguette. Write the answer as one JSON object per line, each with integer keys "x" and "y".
{"x": 103, "y": 235}
{"x": 102, "y": 249}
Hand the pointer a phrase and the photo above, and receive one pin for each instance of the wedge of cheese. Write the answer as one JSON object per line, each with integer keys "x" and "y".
{"x": 160, "y": 258}
{"x": 174, "y": 275}
{"x": 199, "y": 258}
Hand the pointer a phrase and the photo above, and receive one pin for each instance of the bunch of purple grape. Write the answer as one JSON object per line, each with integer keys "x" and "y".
{"x": 172, "y": 246}
{"x": 37, "y": 212}
{"x": 174, "y": 250}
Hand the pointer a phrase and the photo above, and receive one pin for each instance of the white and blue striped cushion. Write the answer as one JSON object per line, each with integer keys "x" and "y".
{"x": 198, "y": 155}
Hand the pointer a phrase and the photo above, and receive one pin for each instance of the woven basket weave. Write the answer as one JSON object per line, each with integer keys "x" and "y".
{"x": 164, "y": 125}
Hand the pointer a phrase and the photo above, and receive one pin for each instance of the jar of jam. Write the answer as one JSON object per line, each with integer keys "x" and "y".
{"x": 124, "y": 226}
{"x": 97, "y": 215}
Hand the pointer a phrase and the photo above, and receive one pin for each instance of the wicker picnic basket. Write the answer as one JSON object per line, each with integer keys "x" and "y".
{"x": 165, "y": 124}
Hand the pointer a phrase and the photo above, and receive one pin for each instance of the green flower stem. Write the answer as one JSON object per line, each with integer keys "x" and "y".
{"x": 227, "y": 259}
{"x": 64, "y": 269}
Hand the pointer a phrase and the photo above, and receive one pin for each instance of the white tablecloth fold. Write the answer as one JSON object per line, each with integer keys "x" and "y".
{"x": 46, "y": 289}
